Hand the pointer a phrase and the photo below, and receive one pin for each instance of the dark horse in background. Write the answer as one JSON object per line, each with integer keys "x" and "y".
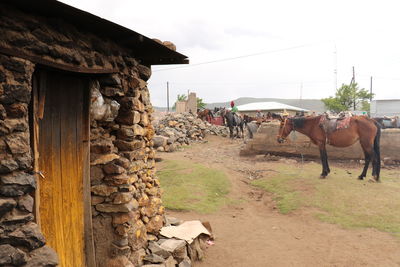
{"x": 205, "y": 115}
{"x": 253, "y": 123}
{"x": 233, "y": 121}
{"x": 269, "y": 117}
{"x": 360, "y": 128}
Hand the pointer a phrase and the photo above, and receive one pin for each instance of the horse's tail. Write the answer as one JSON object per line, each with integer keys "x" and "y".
{"x": 377, "y": 147}
{"x": 211, "y": 114}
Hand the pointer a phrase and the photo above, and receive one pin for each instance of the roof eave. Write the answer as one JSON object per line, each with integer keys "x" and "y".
{"x": 148, "y": 51}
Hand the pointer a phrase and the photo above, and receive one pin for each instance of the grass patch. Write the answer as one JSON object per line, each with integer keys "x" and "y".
{"x": 341, "y": 198}
{"x": 286, "y": 197}
{"x": 190, "y": 186}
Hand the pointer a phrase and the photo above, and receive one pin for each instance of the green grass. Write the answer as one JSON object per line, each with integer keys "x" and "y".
{"x": 341, "y": 198}
{"x": 189, "y": 186}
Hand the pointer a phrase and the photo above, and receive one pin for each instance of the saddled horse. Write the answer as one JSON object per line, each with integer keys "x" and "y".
{"x": 359, "y": 128}
{"x": 233, "y": 121}
{"x": 205, "y": 115}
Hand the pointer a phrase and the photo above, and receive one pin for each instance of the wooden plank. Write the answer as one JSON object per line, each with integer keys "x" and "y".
{"x": 66, "y": 205}
{"x": 35, "y": 147}
{"x": 41, "y": 96}
{"x": 48, "y": 165}
{"x": 84, "y": 130}
{"x": 57, "y": 189}
{"x": 71, "y": 173}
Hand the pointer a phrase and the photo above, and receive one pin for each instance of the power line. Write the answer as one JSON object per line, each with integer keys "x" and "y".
{"x": 238, "y": 57}
{"x": 380, "y": 77}
{"x": 247, "y": 83}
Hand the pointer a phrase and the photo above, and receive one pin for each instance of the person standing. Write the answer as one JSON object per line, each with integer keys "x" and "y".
{"x": 234, "y": 109}
{"x": 285, "y": 114}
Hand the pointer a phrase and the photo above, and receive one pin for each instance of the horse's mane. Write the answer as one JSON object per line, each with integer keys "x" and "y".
{"x": 298, "y": 122}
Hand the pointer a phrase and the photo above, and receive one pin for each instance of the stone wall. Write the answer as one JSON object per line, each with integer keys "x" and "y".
{"x": 20, "y": 239}
{"x": 126, "y": 204}
{"x": 180, "y": 106}
{"x": 125, "y": 192}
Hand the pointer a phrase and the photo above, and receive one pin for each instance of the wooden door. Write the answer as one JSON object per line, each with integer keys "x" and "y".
{"x": 61, "y": 103}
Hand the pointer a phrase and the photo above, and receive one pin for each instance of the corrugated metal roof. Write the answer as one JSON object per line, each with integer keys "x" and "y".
{"x": 267, "y": 106}
{"x": 148, "y": 51}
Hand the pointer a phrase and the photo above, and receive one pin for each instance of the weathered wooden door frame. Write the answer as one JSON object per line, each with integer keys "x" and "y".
{"x": 37, "y": 111}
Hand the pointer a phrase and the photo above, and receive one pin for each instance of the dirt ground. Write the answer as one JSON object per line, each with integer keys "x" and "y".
{"x": 251, "y": 232}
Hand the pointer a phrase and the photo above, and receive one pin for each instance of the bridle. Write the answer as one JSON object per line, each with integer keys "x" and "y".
{"x": 280, "y": 135}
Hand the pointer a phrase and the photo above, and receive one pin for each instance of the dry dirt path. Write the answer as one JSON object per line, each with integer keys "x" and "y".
{"x": 251, "y": 232}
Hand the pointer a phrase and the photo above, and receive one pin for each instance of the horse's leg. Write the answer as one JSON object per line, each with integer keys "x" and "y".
{"x": 324, "y": 161}
{"x": 370, "y": 155}
{"x": 367, "y": 159}
{"x": 328, "y": 170}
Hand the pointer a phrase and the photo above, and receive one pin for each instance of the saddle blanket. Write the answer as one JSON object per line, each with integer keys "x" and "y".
{"x": 331, "y": 125}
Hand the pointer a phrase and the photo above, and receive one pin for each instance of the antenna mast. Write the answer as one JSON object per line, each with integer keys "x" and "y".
{"x": 335, "y": 68}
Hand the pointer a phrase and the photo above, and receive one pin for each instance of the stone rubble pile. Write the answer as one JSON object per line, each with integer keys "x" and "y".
{"x": 177, "y": 129}
{"x": 171, "y": 252}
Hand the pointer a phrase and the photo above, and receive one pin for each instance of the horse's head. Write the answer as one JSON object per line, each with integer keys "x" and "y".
{"x": 223, "y": 111}
{"x": 284, "y": 130}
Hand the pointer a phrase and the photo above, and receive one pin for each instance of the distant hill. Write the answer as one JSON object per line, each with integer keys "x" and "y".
{"x": 310, "y": 104}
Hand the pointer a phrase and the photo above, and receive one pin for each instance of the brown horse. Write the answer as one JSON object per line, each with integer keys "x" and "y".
{"x": 205, "y": 115}
{"x": 360, "y": 128}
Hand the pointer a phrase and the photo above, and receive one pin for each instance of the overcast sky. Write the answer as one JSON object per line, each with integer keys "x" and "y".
{"x": 283, "y": 49}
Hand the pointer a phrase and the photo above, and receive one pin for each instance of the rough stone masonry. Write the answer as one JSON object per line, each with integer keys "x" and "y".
{"x": 126, "y": 203}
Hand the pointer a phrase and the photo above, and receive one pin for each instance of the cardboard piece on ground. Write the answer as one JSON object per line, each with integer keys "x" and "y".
{"x": 187, "y": 231}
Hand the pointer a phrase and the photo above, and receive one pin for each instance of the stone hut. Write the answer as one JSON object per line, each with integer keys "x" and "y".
{"x": 77, "y": 177}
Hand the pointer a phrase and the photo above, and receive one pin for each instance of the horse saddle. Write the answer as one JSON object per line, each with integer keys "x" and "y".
{"x": 330, "y": 125}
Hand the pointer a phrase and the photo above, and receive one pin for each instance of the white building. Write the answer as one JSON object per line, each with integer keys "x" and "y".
{"x": 251, "y": 108}
{"x": 389, "y": 107}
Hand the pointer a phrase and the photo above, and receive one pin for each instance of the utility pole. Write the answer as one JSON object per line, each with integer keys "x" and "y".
{"x": 370, "y": 90}
{"x": 335, "y": 71}
{"x": 168, "y": 97}
{"x": 353, "y": 79}
{"x": 301, "y": 94}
